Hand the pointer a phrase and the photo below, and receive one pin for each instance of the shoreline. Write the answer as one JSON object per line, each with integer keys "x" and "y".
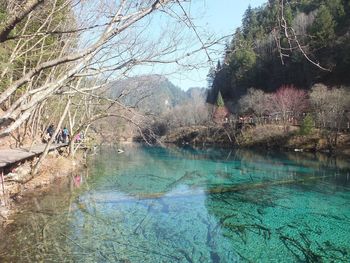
{"x": 266, "y": 138}
{"x": 55, "y": 170}
{"x": 261, "y": 149}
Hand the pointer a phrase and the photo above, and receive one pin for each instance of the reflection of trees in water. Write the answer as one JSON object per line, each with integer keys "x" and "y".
{"x": 143, "y": 171}
{"x": 297, "y": 164}
{"x": 38, "y": 233}
{"x": 313, "y": 160}
{"x": 33, "y": 238}
{"x": 200, "y": 153}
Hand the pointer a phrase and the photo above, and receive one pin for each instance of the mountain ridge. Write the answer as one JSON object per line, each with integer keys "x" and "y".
{"x": 152, "y": 94}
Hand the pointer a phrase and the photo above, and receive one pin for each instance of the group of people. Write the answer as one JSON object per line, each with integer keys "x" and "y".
{"x": 61, "y": 137}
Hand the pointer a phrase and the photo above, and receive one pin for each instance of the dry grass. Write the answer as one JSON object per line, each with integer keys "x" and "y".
{"x": 265, "y": 134}
{"x": 274, "y": 136}
{"x": 53, "y": 168}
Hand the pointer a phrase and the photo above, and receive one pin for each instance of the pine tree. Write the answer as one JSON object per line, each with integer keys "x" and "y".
{"x": 307, "y": 125}
{"x": 247, "y": 20}
{"x": 252, "y": 59}
{"x": 218, "y": 66}
{"x": 250, "y": 25}
{"x": 336, "y": 8}
{"x": 211, "y": 77}
{"x": 220, "y": 100}
{"x": 323, "y": 29}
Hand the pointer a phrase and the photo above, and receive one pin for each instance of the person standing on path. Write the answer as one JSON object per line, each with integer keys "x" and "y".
{"x": 50, "y": 130}
{"x": 65, "y": 135}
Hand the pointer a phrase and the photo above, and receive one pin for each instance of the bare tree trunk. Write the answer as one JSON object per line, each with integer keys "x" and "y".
{"x": 47, "y": 148}
{"x": 49, "y": 70}
{"x": 74, "y": 150}
{"x": 2, "y": 185}
{"x": 15, "y": 19}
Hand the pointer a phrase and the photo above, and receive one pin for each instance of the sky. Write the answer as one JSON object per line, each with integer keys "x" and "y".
{"x": 221, "y": 17}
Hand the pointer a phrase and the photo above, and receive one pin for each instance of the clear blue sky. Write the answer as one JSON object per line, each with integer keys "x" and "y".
{"x": 221, "y": 17}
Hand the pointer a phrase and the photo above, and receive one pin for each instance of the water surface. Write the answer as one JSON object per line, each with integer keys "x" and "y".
{"x": 185, "y": 205}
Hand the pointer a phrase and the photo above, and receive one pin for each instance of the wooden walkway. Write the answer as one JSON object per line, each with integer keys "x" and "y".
{"x": 12, "y": 156}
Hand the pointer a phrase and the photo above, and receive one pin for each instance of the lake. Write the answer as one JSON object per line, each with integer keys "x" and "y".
{"x": 153, "y": 204}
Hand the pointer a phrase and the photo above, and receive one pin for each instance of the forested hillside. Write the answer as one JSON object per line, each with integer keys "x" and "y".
{"x": 300, "y": 42}
{"x": 153, "y": 94}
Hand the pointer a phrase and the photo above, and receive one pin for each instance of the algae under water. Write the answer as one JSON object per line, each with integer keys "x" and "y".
{"x": 172, "y": 204}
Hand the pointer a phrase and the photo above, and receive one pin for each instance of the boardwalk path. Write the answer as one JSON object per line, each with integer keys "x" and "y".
{"x": 12, "y": 156}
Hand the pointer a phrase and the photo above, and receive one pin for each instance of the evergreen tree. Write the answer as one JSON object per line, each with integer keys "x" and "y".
{"x": 220, "y": 100}
{"x": 243, "y": 60}
{"x": 323, "y": 28}
{"x": 306, "y": 125}
{"x": 211, "y": 77}
{"x": 250, "y": 25}
{"x": 218, "y": 66}
{"x": 336, "y": 8}
{"x": 288, "y": 15}
{"x": 252, "y": 58}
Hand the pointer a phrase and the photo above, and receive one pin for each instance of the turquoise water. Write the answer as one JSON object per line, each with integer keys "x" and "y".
{"x": 185, "y": 205}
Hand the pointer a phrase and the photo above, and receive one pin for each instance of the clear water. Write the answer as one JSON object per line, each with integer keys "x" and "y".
{"x": 184, "y": 205}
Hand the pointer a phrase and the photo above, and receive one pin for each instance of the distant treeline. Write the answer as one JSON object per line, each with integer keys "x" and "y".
{"x": 299, "y": 42}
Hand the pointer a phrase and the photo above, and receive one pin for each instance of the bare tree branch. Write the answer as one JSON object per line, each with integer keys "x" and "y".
{"x": 289, "y": 34}
{"x": 10, "y": 24}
